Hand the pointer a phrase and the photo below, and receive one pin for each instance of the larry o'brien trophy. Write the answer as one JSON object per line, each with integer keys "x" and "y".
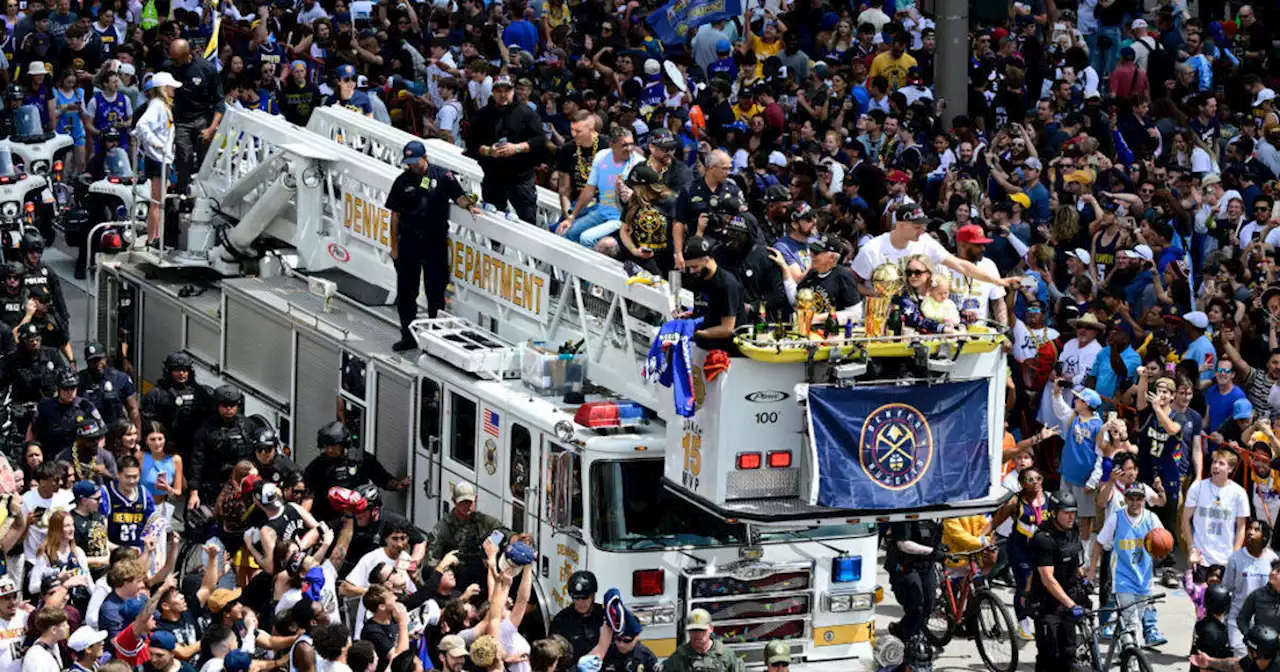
{"x": 887, "y": 279}
{"x": 806, "y": 307}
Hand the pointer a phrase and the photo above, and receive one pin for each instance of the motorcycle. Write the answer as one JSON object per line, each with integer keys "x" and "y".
{"x": 119, "y": 199}
{"x": 20, "y": 193}
{"x": 14, "y": 420}
{"x": 39, "y": 152}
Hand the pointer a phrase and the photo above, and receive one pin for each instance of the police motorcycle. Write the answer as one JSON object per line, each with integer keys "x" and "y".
{"x": 14, "y": 420}
{"x": 120, "y": 197}
{"x": 39, "y": 152}
{"x": 20, "y": 192}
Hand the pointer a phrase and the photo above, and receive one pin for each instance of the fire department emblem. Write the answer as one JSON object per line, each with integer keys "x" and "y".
{"x": 490, "y": 456}
{"x": 896, "y": 446}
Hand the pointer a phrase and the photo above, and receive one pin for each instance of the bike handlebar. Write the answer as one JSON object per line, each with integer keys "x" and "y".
{"x": 960, "y": 555}
{"x": 1150, "y": 599}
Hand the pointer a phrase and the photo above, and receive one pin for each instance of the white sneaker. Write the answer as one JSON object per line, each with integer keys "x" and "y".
{"x": 1026, "y": 629}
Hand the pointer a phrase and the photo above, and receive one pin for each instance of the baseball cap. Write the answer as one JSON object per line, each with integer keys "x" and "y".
{"x": 1135, "y": 488}
{"x": 1138, "y": 23}
{"x": 346, "y": 72}
{"x": 1081, "y": 254}
{"x": 83, "y": 490}
{"x": 827, "y": 243}
{"x": 1089, "y": 397}
{"x": 1032, "y": 162}
{"x": 270, "y": 495}
{"x": 249, "y": 483}
{"x": 663, "y": 139}
{"x": 1210, "y": 180}
{"x": 1242, "y": 409}
{"x": 697, "y": 247}
{"x": 7, "y": 585}
{"x": 801, "y": 210}
{"x": 898, "y": 176}
{"x": 777, "y": 193}
{"x": 503, "y": 80}
{"x": 464, "y": 492}
{"x": 85, "y": 637}
{"x": 413, "y": 151}
{"x": 972, "y": 234}
{"x": 1128, "y": 53}
{"x": 222, "y": 598}
{"x": 237, "y": 661}
{"x": 1021, "y": 199}
{"x": 39, "y": 293}
{"x": 1142, "y": 252}
{"x": 1197, "y": 319}
{"x": 164, "y": 640}
{"x": 699, "y": 619}
{"x": 94, "y": 351}
{"x": 777, "y": 652}
{"x": 643, "y": 174}
{"x": 1084, "y": 177}
{"x": 131, "y": 608}
{"x": 452, "y": 645}
{"x": 909, "y": 213}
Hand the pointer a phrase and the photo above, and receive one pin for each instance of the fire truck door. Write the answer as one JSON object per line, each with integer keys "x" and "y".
{"x": 523, "y": 477}
{"x": 426, "y": 454}
{"x": 462, "y": 453}
{"x": 562, "y": 544}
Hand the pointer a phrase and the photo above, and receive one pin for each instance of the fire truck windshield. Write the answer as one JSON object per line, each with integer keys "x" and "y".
{"x": 629, "y": 514}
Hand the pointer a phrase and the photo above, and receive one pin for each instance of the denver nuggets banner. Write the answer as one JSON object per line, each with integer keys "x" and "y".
{"x": 900, "y": 447}
{"x": 675, "y": 22}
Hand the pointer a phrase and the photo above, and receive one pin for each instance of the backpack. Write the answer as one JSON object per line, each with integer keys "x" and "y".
{"x": 1160, "y": 66}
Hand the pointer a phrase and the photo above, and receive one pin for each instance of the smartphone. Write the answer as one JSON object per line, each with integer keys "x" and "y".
{"x": 496, "y": 537}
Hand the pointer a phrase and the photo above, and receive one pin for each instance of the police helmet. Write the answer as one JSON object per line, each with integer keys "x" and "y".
{"x": 332, "y": 434}
{"x": 1063, "y": 502}
{"x": 1217, "y": 599}
{"x": 32, "y": 241}
{"x": 177, "y": 361}
{"x": 28, "y": 333}
{"x": 111, "y": 135}
{"x": 12, "y": 269}
{"x": 582, "y": 584}
{"x": 1263, "y": 640}
{"x": 265, "y": 436}
{"x": 228, "y": 395}
{"x": 371, "y": 494}
{"x": 68, "y": 380}
{"x": 15, "y": 92}
{"x": 90, "y": 429}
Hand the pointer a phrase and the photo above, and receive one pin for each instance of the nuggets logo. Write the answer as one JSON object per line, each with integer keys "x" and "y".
{"x": 896, "y": 446}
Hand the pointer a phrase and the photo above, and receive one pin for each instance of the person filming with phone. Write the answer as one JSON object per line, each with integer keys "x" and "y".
{"x": 464, "y": 530}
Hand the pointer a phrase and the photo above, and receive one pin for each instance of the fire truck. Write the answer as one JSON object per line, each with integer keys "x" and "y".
{"x": 531, "y": 387}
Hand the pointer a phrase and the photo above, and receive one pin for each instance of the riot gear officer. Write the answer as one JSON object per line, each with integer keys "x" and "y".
{"x": 271, "y": 463}
{"x": 33, "y": 244}
{"x": 32, "y": 369}
{"x": 59, "y": 417}
{"x": 13, "y": 300}
{"x": 344, "y": 464}
{"x": 223, "y": 440}
{"x": 111, "y": 391}
{"x": 913, "y": 549}
{"x": 1263, "y": 645}
{"x": 52, "y": 330}
{"x": 179, "y": 403}
{"x": 1057, "y": 588}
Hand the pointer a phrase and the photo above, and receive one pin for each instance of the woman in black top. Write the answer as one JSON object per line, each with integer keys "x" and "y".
{"x": 646, "y": 224}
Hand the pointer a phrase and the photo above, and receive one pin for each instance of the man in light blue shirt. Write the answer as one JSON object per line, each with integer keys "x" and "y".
{"x": 585, "y": 224}
{"x": 1116, "y": 365}
{"x": 1201, "y": 350}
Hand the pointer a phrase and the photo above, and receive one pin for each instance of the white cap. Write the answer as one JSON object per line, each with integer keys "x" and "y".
{"x": 1138, "y": 23}
{"x": 777, "y": 158}
{"x": 37, "y": 68}
{"x": 164, "y": 79}
{"x": 1197, "y": 319}
{"x": 652, "y": 67}
{"x": 85, "y": 637}
{"x": 464, "y": 492}
{"x": 1142, "y": 252}
{"x": 1263, "y": 96}
{"x": 126, "y": 69}
{"x": 1081, "y": 254}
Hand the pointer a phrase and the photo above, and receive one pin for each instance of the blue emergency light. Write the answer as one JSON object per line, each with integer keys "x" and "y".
{"x": 610, "y": 414}
{"x": 846, "y": 569}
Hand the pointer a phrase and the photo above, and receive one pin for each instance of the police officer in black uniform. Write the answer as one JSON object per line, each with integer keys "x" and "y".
{"x": 53, "y": 331}
{"x": 720, "y": 301}
{"x": 32, "y": 370}
{"x": 1263, "y": 644}
{"x": 701, "y": 198}
{"x": 223, "y": 440}
{"x": 345, "y": 465}
{"x": 58, "y": 417}
{"x": 913, "y": 549}
{"x": 272, "y": 465}
{"x": 14, "y": 97}
{"x": 367, "y": 532}
{"x": 1210, "y": 636}
{"x": 627, "y": 653}
{"x": 13, "y": 299}
{"x": 110, "y": 389}
{"x": 33, "y": 244}
{"x": 1057, "y": 586}
{"x": 419, "y": 202}
{"x": 583, "y": 622}
{"x": 181, "y": 405}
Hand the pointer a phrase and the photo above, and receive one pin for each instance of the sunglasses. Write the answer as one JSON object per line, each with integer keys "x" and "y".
{"x": 1223, "y": 371}
{"x": 348, "y": 79}
{"x": 1035, "y": 310}
{"x": 915, "y": 271}
{"x": 626, "y": 640}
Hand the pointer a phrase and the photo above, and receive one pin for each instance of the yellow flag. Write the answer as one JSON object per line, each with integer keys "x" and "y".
{"x": 217, "y": 25}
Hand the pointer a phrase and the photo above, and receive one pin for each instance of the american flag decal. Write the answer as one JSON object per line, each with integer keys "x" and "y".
{"x": 491, "y": 422}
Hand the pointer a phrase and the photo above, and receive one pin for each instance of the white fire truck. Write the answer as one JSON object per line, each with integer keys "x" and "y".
{"x": 284, "y": 287}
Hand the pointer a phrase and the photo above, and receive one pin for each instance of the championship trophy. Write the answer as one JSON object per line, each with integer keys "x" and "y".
{"x": 887, "y": 279}
{"x": 806, "y": 309}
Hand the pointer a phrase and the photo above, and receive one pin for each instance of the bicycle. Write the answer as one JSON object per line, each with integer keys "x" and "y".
{"x": 973, "y": 607}
{"x": 1132, "y": 657}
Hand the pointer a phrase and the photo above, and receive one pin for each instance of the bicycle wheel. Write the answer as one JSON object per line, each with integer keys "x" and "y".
{"x": 939, "y": 628}
{"x": 1088, "y": 659}
{"x": 1134, "y": 660}
{"x": 993, "y": 629}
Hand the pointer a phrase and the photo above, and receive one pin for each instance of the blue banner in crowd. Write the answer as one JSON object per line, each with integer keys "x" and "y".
{"x": 900, "y": 447}
{"x": 675, "y": 22}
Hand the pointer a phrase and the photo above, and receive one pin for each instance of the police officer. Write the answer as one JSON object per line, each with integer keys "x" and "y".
{"x": 419, "y": 202}
{"x": 913, "y": 549}
{"x": 464, "y": 530}
{"x": 272, "y": 465}
{"x": 38, "y": 273}
{"x": 1056, "y": 586}
{"x": 1210, "y": 636}
{"x": 627, "y": 653}
{"x": 14, "y": 97}
{"x": 704, "y": 194}
{"x": 367, "y": 532}
{"x": 13, "y": 304}
{"x": 702, "y": 653}
{"x": 110, "y": 389}
{"x": 32, "y": 370}
{"x": 1263, "y": 644}
{"x": 583, "y": 622}
{"x": 221, "y": 441}
{"x": 58, "y": 418}
{"x": 52, "y": 330}
{"x": 777, "y": 655}
{"x": 180, "y": 404}
{"x": 89, "y": 456}
{"x": 342, "y": 464}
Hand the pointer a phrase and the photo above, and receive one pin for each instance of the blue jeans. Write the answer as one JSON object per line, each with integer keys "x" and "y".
{"x": 593, "y": 217}
{"x": 1021, "y": 562}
